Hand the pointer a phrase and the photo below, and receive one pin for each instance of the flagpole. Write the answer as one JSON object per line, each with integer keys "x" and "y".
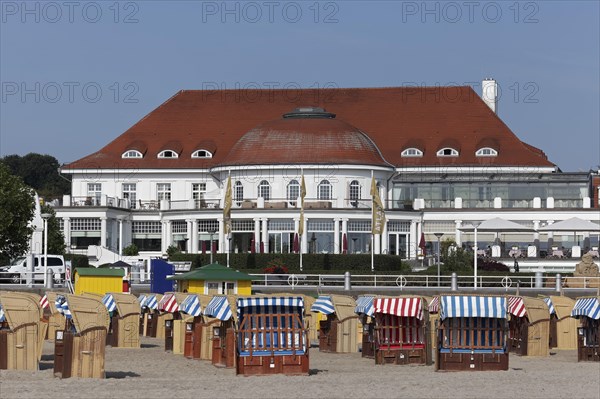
{"x": 301, "y": 222}
{"x": 227, "y": 237}
{"x": 372, "y": 231}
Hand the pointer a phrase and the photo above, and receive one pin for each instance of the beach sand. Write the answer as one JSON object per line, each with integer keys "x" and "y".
{"x": 150, "y": 372}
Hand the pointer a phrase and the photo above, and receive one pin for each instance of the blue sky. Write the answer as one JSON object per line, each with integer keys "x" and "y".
{"x": 76, "y": 75}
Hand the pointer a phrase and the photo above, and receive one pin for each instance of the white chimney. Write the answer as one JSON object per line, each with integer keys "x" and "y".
{"x": 489, "y": 94}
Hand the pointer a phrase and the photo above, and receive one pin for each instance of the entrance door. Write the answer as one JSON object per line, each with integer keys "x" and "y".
{"x": 398, "y": 244}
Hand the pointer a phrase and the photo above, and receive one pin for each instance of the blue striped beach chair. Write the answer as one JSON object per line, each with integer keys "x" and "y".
{"x": 472, "y": 334}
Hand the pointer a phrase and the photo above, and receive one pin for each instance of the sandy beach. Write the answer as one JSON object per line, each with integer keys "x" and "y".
{"x": 150, "y": 372}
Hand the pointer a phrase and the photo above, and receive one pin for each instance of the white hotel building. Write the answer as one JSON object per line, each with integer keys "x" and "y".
{"x": 441, "y": 157}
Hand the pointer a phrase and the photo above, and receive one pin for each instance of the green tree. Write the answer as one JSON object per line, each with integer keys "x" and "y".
{"x": 17, "y": 207}
{"x": 131, "y": 250}
{"x": 56, "y": 239}
{"x": 39, "y": 172}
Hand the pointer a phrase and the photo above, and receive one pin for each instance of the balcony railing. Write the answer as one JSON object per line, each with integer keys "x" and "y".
{"x": 316, "y": 203}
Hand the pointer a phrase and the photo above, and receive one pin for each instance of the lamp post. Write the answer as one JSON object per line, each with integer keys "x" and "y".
{"x": 45, "y": 216}
{"x": 475, "y": 226}
{"x": 438, "y": 235}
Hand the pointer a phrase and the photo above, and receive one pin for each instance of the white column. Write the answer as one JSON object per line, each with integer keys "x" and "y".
{"x": 103, "y": 231}
{"x": 67, "y": 233}
{"x": 256, "y": 235}
{"x": 414, "y": 240}
{"x": 345, "y": 231}
{"x": 221, "y": 233}
{"x": 195, "y": 236}
{"x": 385, "y": 239}
{"x": 120, "y": 236}
{"x": 305, "y": 237}
{"x": 536, "y": 235}
{"x": 190, "y": 235}
{"x": 166, "y": 232}
{"x": 457, "y": 235}
{"x": 265, "y": 235}
{"x": 336, "y": 236}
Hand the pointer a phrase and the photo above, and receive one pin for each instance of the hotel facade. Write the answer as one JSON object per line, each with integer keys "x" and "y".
{"x": 441, "y": 157}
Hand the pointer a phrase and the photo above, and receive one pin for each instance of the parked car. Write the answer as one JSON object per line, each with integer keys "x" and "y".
{"x": 17, "y": 270}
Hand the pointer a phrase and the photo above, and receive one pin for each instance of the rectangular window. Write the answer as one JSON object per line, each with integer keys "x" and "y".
{"x": 163, "y": 191}
{"x": 94, "y": 192}
{"x": 198, "y": 192}
{"x": 129, "y": 192}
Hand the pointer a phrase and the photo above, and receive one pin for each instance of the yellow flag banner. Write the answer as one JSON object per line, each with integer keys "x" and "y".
{"x": 378, "y": 219}
{"x": 227, "y": 206}
{"x": 302, "y": 195}
{"x": 301, "y": 223}
{"x": 302, "y": 192}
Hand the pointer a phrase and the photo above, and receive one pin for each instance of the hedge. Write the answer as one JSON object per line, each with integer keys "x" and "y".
{"x": 311, "y": 263}
{"x": 77, "y": 260}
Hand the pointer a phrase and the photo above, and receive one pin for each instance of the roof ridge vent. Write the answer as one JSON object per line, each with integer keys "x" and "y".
{"x": 309, "y": 112}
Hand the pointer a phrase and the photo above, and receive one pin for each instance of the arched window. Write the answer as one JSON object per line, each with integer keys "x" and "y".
{"x": 238, "y": 192}
{"x": 264, "y": 190}
{"x": 447, "y": 152}
{"x": 132, "y": 154}
{"x": 354, "y": 193}
{"x": 168, "y": 154}
{"x": 324, "y": 190}
{"x": 293, "y": 192}
{"x": 412, "y": 152}
{"x": 486, "y": 152}
{"x": 202, "y": 154}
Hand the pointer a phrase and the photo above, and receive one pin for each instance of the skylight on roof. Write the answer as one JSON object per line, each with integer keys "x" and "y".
{"x": 486, "y": 152}
{"x": 447, "y": 152}
{"x": 168, "y": 154}
{"x": 132, "y": 154}
{"x": 202, "y": 154}
{"x": 412, "y": 152}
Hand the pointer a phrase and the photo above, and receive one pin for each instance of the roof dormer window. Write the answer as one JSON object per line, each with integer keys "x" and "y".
{"x": 447, "y": 152}
{"x": 412, "y": 152}
{"x": 132, "y": 154}
{"x": 486, "y": 152}
{"x": 202, "y": 154}
{"x": 168, "y": 154}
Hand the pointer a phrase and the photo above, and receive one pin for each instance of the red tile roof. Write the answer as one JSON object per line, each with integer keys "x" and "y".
{"x": 392, "y": 118}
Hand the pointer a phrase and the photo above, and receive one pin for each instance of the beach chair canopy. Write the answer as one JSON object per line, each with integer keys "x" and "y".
{"x": 168, "y": 303}
{"x": 434, "y": 305}
{"x": 473, "y": 306}
{"x": 191, "y": 305}
{"x": 588, "y": 307}
{"x": 516, "y": 306}
{"x": 109, "y": 302}
{"x": 270, "y": 305}
{"x": 86, "y": 312}
{"x": 400, "y": 306}
{"x": 142, "y": 300}
{"x": 364, "y": 305}
{"x": 324, "y": 305}
{"x": 536, "y": 309}
{"x": 62, "y": 307}
{"x": 151, "y": 301}
{"x": 219, "y": 308}
{"x": 44, "y": 302}
{"x": 126, "y": 304}
{"x": 563, "y": 306}
{"x": 550, "y": 305}
{"x": 19, "y": 309}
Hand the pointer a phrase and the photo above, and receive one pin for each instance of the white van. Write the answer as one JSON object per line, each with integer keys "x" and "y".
{"x": 17, "y": 270}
